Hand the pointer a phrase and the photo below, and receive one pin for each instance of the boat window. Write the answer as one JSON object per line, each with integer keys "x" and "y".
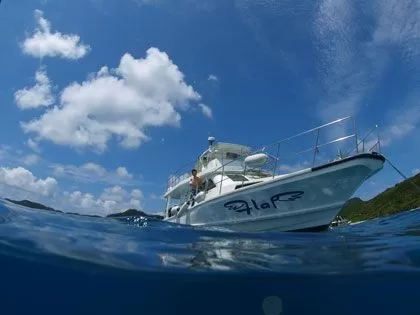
{"x": 247, "y": 184}
{"x": 237, "y": 177}
{"x": 230, "y": 155}
{"x": 209, "y": 185}
{"x": 204, "y": 160}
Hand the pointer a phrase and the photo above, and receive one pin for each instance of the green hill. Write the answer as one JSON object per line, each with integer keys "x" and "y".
{"x": 402, "y": 197}
{"x": 31, "y": 204}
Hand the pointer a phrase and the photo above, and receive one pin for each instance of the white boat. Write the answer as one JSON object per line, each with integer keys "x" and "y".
{"x": 244, "y": 190}
{"x": 338, "y": 221}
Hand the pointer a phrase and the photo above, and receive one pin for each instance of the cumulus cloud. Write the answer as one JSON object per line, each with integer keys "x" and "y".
{"x": 22, "y": 178}
{"x": 36, "y": 96}
{"x": 122, "y": 102}
{"x": 94, "y": 168}
{"x": 47, "y": 43}
{"x": 137, "y": 194}
{"x": 112, "y": 199}
{"x": 92, "y": 172}
{"x": 123, "y": 173}
{"x": 21, "y": 183}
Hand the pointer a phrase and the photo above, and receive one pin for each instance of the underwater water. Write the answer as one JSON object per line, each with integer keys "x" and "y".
{"x": 68, "y": 264}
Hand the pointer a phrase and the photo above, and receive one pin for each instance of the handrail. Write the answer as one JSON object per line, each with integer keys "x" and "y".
{"x": 315, "y": 147}
{"x": 308, "y": 131}
{"x": 362, "y": 140}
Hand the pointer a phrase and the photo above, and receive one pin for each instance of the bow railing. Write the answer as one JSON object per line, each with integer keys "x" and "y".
{"x": 331, "y": 141}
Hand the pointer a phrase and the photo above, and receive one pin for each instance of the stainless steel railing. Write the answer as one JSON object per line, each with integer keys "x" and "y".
{"x": 278, "y": 157}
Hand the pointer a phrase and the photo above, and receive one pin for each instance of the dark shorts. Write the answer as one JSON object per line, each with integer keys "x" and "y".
{"x": 194, "y": 191}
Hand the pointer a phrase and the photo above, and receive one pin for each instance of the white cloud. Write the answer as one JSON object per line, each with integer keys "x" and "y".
{"x": 123, "y": 103}
{"x": 289, "y": 168}
{"x": 31, "y": 159}
{"x": 13, "y": 158}
{"x": 115, "y": 193}
{"x": 212, "y": 77}
{"x": 45, "y": 43}
{"x": 341, "y": 67}
{"x": 36, "y": 96}
{"x": 112, "y": 199}
{"x": 94, "y": 168}
{"x": 351, "y": 67}
{"x": 206, "y": 110}
{"x": 22, "y": 178}
{"x": 84, "y": 201}
{"x": 155, "y": 197}
{"x": 398, "y": 23}
{"x": 92, "y": 172}
{"x": 355, "y": 43}
{"x": 403, "y": 121}
{"x": 416, "y": 171}
{"x": 33, "y": 145}
{"x": 123, "y": 173}
{"x": 137, "y": 194}
{"x": 20, "y": 183}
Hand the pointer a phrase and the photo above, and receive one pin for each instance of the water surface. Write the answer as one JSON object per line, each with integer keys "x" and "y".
{"x": 68, "y": 264}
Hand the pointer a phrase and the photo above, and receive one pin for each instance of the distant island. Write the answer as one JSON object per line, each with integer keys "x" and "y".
{"x": 402, "y": 197}
{"x": 31, "y": 204}
{"x": 134, "y": 213}
{"x": 126, "y": 213}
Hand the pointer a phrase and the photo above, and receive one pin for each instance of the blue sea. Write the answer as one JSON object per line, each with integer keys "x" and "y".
{"x": 68, "y": 264}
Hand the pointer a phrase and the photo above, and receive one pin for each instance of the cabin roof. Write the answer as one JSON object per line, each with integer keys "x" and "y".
{"x": 216, "y": 148}
{"x": 225, "y": 146}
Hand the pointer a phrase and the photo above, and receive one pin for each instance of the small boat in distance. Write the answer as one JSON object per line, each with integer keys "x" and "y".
{"x": 252, "y": 191}
{"x": 338, "y": 221}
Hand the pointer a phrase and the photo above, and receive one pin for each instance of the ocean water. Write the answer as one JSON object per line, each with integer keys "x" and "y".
{"x": 66, "y": 264}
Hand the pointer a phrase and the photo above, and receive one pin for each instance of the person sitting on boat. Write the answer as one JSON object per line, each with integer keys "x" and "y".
{"x": 195, "y": 182}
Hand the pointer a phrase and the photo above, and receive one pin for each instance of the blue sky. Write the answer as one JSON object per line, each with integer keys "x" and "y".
{"x": 102, "y": 100}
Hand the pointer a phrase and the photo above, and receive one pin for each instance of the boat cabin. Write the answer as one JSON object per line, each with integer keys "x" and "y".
{"x": 222, "y": 167}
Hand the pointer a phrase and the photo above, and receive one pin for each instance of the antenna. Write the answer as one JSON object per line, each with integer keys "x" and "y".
{"x": 211, "y": 140}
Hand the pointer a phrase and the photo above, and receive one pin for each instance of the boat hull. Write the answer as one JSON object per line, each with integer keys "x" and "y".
{"x": 306, "y": 200}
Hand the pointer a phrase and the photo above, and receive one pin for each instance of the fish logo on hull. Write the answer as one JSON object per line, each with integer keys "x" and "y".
{"x": 244, "y": 206}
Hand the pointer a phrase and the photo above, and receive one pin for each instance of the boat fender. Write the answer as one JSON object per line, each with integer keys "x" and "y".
{"x": 173, "y": 210}
{"x": 199, "y": 197}
{"x": 183, "y": 209}
{"x": 256, "y": 160}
